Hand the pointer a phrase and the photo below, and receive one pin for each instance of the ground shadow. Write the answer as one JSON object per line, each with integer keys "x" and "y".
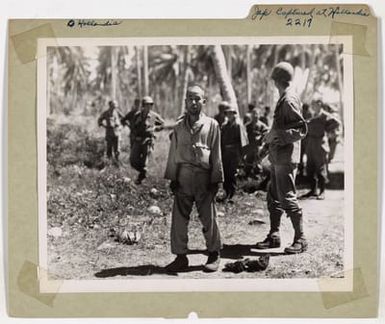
{"x": 336, "y": 181}
{"x": 142, "y": 270}
{"x": 238, "y": 251}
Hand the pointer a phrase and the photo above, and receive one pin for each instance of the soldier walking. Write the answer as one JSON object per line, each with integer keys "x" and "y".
{"x": 110, "y": 120}
{"x": 129, "y": 118}
{"x": 194, "y": 167}
{"x": 145, "y": 123}
{"x": 284, "y": 142}
{"x": 317, "y": 148}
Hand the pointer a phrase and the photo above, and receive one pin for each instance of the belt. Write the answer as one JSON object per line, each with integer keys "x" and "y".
{"x": 193, "y": 167}
{"x": 230, "y": 145}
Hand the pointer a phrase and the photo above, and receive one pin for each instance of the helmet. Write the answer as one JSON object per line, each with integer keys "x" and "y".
{"x": 283, "y": 71}
{"x": 147, "y": 100}
{"x": 230, "y": 108}
{"x": 223, "y": 105}
{"x": 113, "y": 103}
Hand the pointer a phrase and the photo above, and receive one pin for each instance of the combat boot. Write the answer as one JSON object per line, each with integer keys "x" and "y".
{"x": 299, "y": 243}
{"x": 313, "y": 191}
{"x": 272, "y": 240}
{"x": 321, "y": 195}
{"x": 140, "y": 178}
{"x": 179, "y": 264}
{"x": 298, "y": 246}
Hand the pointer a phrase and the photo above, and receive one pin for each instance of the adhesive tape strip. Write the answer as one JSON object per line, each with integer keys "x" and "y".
{"x": 25, "y": 43}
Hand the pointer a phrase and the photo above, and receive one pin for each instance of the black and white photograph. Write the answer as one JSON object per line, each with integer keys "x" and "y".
{"x": 195, "y": 164}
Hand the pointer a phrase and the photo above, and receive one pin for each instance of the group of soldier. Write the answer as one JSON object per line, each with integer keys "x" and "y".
{"x": 143, "y": 123}
{"x": 205, "y": 154}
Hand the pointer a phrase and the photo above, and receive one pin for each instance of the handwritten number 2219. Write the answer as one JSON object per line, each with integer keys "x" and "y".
{"x": 299, "y": 22}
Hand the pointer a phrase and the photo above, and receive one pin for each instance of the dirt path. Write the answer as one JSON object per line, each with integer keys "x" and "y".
{"x": 90, "y": 254}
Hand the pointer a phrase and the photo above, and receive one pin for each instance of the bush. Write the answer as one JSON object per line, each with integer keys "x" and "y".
{"x": 69, "y": 144}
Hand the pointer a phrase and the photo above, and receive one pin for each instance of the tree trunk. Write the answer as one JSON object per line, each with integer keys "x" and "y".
{"x": 248, "y": 74}
{"x": 114, "y": 73}
{"x": 229, "y": 61}
{"x": 304, "y": 95}
{"x": 138, "y": 71}
{"x": 222, "y": 76}
{"x": 186, "y": 76}
{"x": 145, "y": 70}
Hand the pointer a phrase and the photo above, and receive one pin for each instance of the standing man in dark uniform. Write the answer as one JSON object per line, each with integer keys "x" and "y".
{"x": 306, "y": 115}
{"x": 145, "y": 123}
{"x": 110, "y": 120}
{"x": 194, "y": 167}
{"x": 220, "y": 116}
{"x": 256, "y": 130}
{"x": 129, "y": 118}
{"x": 265, "y": 117}
{"x": 284, "y": 140}
{"x": 232, "y": 143}
{"x": 334, "y": 134}
{"x": 317, "y": 148}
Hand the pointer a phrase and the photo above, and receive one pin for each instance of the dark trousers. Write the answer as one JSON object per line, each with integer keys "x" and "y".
{"x": 230, "y": 160}
{"x": 282, "y": 197}
{"x": 318, "y": 175}
{"x": 113, "y": 147}
{"x": 139, "y": 156}
{"x": 251, "y": 159}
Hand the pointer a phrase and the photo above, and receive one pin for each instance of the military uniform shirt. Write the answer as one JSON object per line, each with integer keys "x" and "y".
{"x": 111, "y": 121}
{"x": 144, "y": 126}
{"x": 198, "y": 145}
{"x": 288, "y": 111}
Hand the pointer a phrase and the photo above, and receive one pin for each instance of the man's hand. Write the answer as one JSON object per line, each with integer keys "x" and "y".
{"x": 174, "y": 186}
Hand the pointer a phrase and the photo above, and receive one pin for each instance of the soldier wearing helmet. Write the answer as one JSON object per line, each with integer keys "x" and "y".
{"x": 233, "y": 139}
{"x": 110, "y": 120}
{"x": 284, "y": 143}
{"x": 144, "y": 124}
{"x": 128, "y": 119}
{"x": 220, "y": 116}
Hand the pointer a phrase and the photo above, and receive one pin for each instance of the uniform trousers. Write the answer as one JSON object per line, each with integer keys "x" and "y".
{"x": 139, "y": 156}
{"x": 282, "y": 197}
{"x": 193, "y": 186}
{"x": 113, "y": 146}
{"x": 230, "y": 158}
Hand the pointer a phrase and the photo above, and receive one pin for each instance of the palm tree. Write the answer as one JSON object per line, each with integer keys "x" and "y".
{"x": 138, "y": 71}
{"x": 145, "y": 70}
{"x": 72, "y": 69}
{"x": 219, "y": 63}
